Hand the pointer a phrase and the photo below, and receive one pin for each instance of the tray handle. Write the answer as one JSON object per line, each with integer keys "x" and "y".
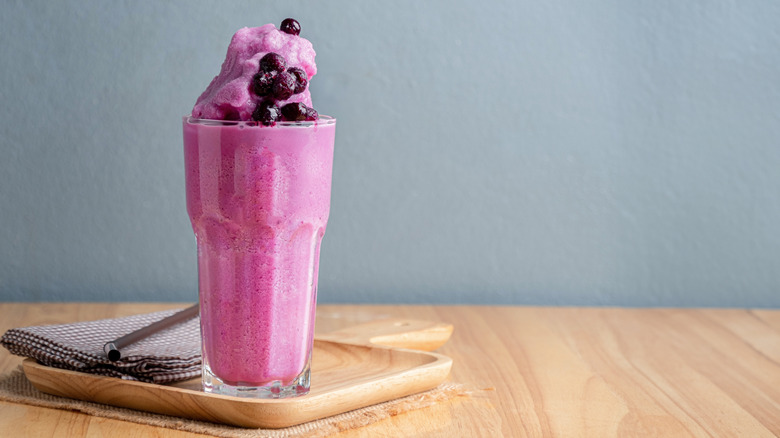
{"x": 394, "y": 332}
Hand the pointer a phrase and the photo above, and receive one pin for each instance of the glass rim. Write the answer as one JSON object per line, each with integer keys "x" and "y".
{"x": 322, "y": 120}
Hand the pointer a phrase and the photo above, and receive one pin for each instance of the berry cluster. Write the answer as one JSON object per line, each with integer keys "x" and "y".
{"x": 275, "y": 82}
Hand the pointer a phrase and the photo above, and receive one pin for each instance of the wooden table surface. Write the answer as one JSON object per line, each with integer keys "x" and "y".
{"x": 534, "y": 371}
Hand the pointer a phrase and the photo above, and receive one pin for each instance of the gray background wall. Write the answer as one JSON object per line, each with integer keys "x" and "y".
{"x": 547, "y": 152}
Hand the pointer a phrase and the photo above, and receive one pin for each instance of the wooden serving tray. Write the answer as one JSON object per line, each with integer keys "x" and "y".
{"x": 351, "y": 368}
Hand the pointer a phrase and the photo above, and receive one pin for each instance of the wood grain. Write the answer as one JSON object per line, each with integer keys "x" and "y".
{"x": 568, "y": 372}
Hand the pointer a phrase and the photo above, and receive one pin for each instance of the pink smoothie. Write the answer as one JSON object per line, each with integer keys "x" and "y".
{"x": 258, "y": 198}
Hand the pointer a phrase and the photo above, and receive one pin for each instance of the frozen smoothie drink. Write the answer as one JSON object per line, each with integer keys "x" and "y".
{"x": 258, "y": 198}
{"x": 258, "y": 164}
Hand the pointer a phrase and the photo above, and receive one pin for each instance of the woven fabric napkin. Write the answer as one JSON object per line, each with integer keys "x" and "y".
{"x": 167, "y": 356}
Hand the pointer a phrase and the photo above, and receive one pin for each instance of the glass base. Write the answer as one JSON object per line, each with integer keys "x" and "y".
{"x": 275, "y": 389}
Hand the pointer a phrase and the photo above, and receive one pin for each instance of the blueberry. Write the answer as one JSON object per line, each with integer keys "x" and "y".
{"x": 284, "y": 86}
{"x": 311, "y": 114}
{"x": 293, "y": 112}
{"x": 266, "y": 113}
{"x": 290, "y": 26}
{"x": 301, "y": 79}
{"x": 273, "y": 63}
{"x": 262, "y": 83}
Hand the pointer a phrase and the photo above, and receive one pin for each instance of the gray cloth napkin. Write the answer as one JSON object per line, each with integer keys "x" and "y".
{"x": 167, "y": 356}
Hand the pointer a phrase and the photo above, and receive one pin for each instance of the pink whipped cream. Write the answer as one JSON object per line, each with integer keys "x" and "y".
{"x": 229, "y": 95}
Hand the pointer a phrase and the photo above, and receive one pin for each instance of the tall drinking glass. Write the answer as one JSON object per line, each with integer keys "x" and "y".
{"x": 258, "y": 198}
